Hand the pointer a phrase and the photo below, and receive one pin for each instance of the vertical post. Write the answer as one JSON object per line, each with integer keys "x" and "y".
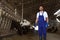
{"x": 15, "y": 11}
{"x": 0, "y": 16}
{"x": 0, "y": 9}
{"x": 22, "y": 9}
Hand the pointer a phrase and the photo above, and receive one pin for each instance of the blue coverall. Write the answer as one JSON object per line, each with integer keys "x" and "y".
{"x": 41, "y": 27}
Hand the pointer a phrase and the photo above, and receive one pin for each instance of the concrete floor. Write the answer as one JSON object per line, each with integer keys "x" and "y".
{"x": 50, "y": 36}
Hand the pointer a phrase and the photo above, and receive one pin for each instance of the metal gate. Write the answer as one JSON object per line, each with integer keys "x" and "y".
{"x": 7, "y": 14}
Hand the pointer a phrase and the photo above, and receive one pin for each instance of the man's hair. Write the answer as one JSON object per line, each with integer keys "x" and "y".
{"x": 41, "y": 6}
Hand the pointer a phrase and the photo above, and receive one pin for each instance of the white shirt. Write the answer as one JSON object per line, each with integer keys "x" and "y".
{"x": 43, "y": 13}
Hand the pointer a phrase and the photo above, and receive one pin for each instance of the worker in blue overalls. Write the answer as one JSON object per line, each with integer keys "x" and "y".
{"x": 42, "y": 20}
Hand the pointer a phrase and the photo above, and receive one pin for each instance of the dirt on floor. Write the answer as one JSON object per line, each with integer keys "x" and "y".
{"x": 31, "y": 36}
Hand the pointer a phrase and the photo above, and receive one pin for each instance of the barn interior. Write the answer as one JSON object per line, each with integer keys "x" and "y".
{"x": 17, "y": 18}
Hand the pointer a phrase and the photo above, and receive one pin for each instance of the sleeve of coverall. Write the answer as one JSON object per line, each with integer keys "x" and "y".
{"x": 37, "y": 15}
{"x": 46, "y": 15}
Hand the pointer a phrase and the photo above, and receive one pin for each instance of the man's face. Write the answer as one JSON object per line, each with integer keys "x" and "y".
{"x": 41, "y": 8}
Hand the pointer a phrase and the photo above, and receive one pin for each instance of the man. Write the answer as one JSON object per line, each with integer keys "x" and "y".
{"x": 42, "y": 20}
